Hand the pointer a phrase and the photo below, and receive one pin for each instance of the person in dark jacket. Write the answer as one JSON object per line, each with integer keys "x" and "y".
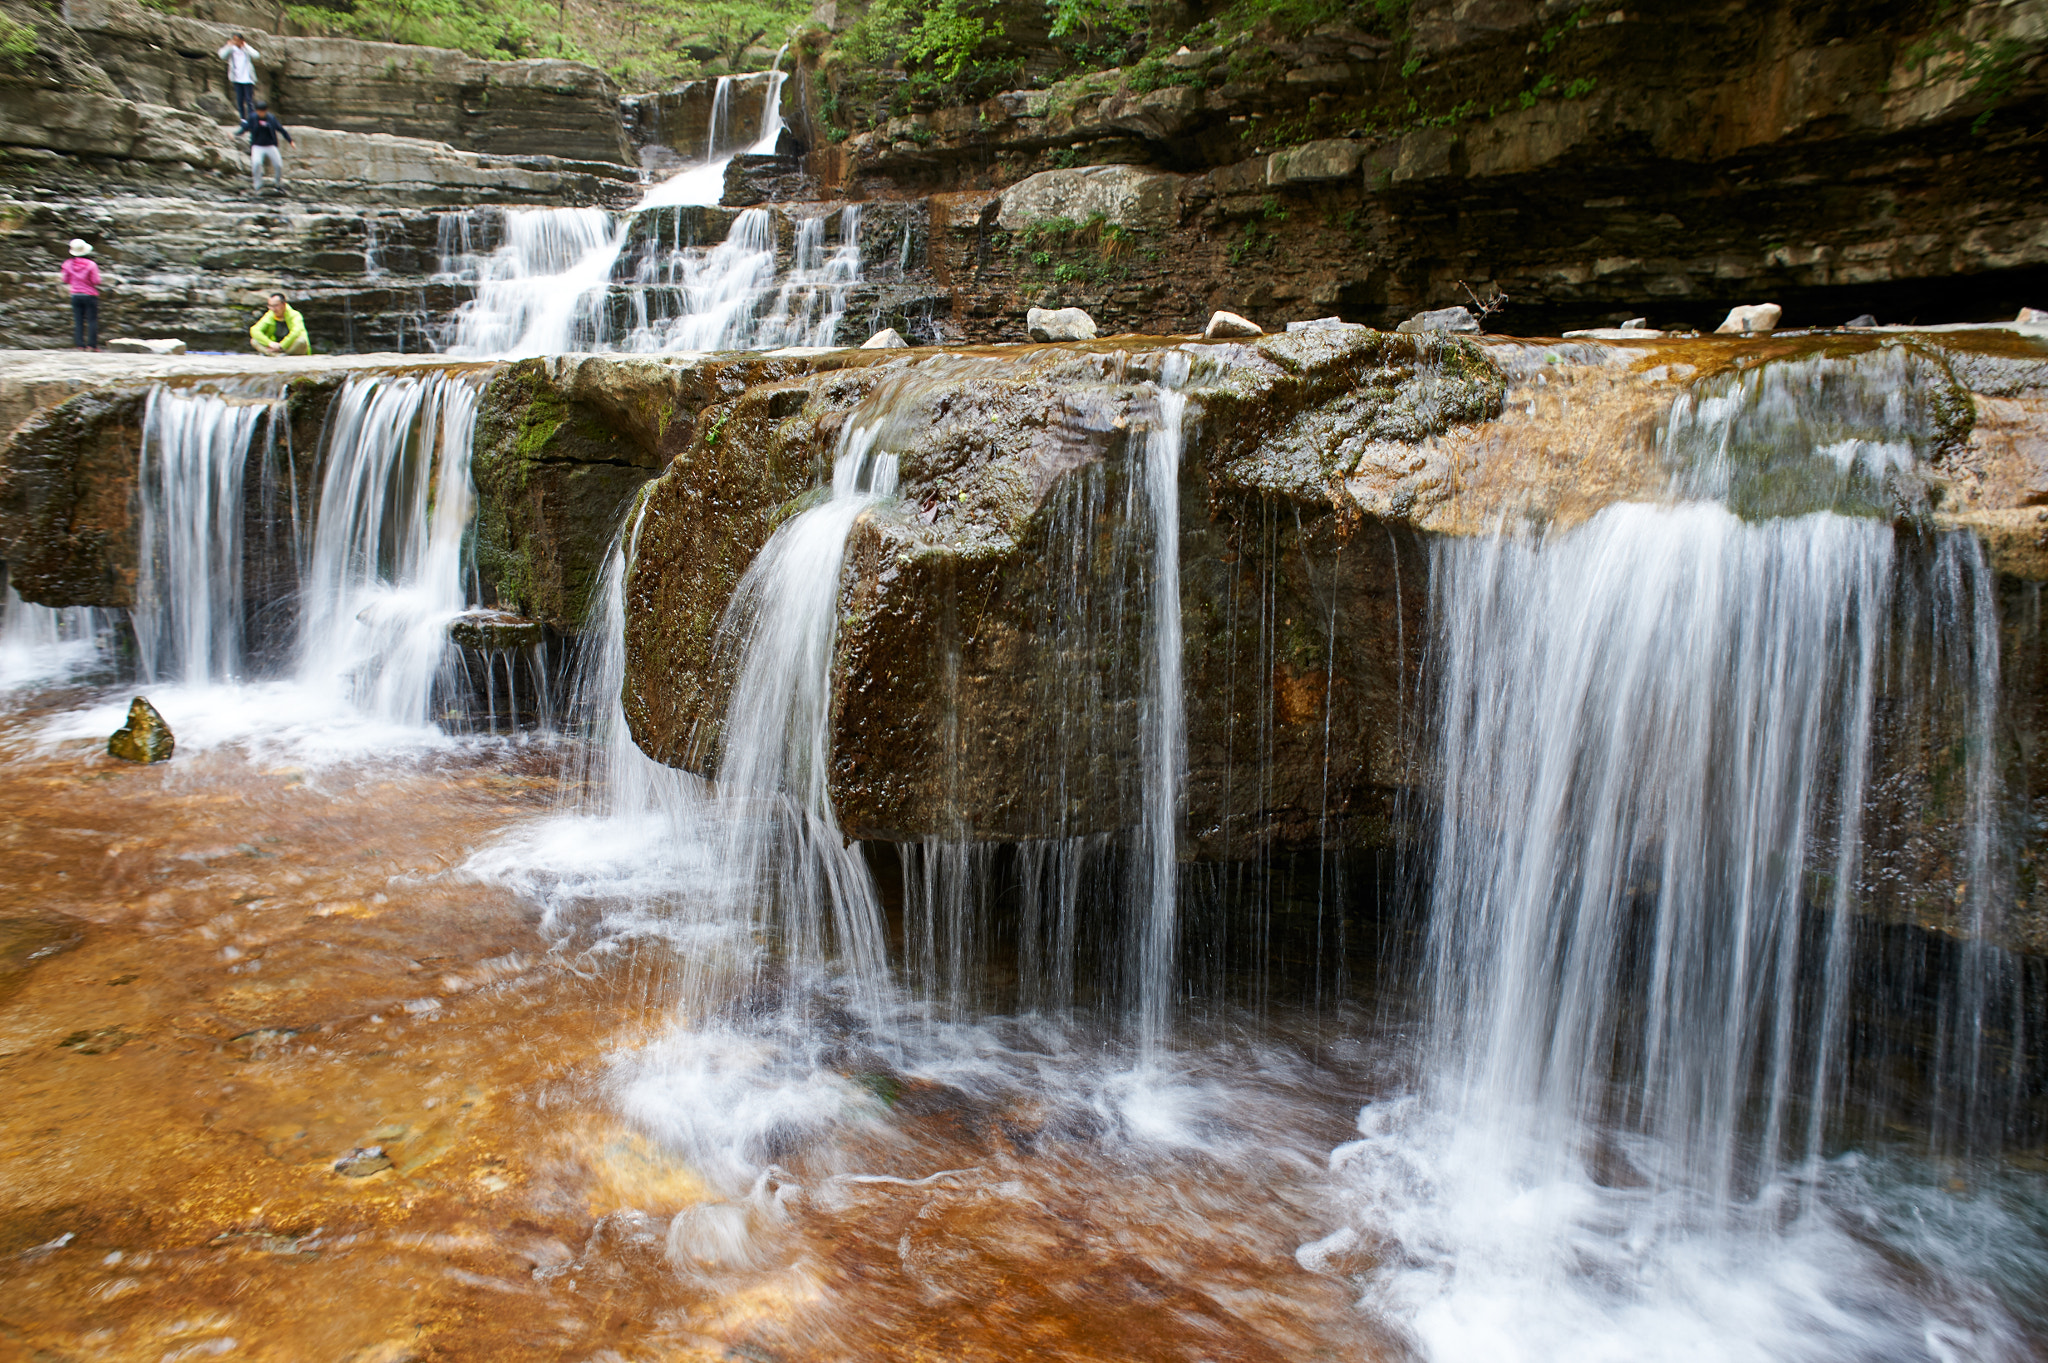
{"x": 262, "y": 129}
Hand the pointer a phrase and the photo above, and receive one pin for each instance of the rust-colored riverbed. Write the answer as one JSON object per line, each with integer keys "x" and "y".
{"x": 284, "y": 1082}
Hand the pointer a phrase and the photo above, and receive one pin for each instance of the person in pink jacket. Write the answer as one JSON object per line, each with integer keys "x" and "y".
{"x": 83, "y": 279}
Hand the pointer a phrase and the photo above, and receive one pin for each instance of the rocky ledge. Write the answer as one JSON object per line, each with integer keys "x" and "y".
{"x": 989, "y": 660}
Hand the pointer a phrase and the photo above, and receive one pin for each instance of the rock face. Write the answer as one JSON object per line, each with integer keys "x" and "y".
{"x": 539, "y": 107}
{"x": 144, "y": 738}
{"x": 1556, "y": 154}
{"x": 1002, "y": 578}
{"x": 67, "y": 494}
{"x": 1128, "y": 196}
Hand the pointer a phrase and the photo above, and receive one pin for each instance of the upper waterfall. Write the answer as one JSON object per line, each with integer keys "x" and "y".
{"x": 557, "y": 280}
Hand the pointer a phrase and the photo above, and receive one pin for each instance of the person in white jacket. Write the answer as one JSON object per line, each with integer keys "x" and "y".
{"x": 241, "y": 60}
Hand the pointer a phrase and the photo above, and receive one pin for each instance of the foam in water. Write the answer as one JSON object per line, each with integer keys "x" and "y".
{"x": 40, "y": 645}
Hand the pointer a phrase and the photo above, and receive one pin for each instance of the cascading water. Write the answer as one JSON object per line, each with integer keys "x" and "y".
{"x": 188, "y": 590}
{"x": 42, "y": 644}
{"x": 1656, "y": 741}
{"x": 560, "y": 280}
{"x": 1163, "y": 718}
{"x": 386, "y": 573}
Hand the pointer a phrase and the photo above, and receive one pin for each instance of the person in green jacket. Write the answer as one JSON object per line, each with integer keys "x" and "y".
{"x": 281, "y": 330}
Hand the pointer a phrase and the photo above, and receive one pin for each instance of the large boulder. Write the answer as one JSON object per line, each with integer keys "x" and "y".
{"x": 1059, "y": 324}
{"x": 988, "y": 677}
{"x": 562, "y": 446}
{"x": 1132, "y": 197}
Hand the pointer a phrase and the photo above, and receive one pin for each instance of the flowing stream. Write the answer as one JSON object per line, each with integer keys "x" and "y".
{"x": 554, "y": 280}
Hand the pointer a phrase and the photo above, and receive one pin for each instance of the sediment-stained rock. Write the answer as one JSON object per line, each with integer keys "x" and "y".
{"x": 987, "y": 679}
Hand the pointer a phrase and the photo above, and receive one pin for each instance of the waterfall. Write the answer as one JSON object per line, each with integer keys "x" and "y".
{"x": 386, "y": 572}
{"x": 188, "y": 589}
{"x": 783, "y": 849}
{"x": 730, "y": 297}
{"x": 42, "y": 644}
{"x": 559, "y": 280}
{"x": 535, "y": 282}
{"x": 1655, "y": 1003}
{"x": 1163, "y": 718}
{"x": 1592, "y": 759}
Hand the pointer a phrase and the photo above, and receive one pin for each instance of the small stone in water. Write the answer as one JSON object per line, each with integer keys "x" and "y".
{"x": 363, "y": 1161}
{"x": 1751, "y": 317}
{"x": 1859, "y": 322}
{"x": 1457, "y": 318}
{"x": 2032, "y": 316}
{"x": 144, "y": 738}
{"x": 886, "y": 339}
{"x": 1230, "y": 324}
{"x": 493, "y": 630}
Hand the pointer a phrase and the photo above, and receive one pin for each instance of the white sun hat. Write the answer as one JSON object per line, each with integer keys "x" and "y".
{"x": 80, "y": 246}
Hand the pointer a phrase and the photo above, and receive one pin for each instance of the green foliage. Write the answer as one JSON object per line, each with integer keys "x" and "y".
{"x": 491, "y": 28}
{"x": 1580, "y": 87}
{"x": 1387, "y": 17}
{"x": 1542, "y": 87}
{"x": 1254, "y": 240}
{"x": 641, "y": 43}
{"x": 943, "y": 41}
{"x": 1154, "y": 74}
{"x": 1060, "y": 245}
{"x": 1570, "y": 24}
{"x": 17, "y": 41}
{"x": 1991, "y": 69}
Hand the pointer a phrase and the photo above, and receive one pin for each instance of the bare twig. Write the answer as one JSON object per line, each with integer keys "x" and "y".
{"x": 1485, "y": 307}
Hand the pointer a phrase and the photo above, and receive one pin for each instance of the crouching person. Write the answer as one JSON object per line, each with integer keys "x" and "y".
{"x": 281, "y": 330}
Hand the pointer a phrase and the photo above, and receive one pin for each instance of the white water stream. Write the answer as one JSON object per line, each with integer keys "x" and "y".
{"x": 561, "y": 280}
{"x": 40, "y": 645}
{"x": 381, "y": 570}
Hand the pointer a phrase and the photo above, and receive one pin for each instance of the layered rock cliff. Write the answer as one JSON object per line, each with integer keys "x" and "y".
{"x": 1594, "y": 164}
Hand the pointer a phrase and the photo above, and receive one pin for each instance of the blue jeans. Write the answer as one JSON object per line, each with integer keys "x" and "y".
{"x": 85, "y": 321}
{"x": 245, "y": 98}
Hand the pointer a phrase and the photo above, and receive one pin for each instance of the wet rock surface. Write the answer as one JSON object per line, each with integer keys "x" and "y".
{"x": 144, "y": 738}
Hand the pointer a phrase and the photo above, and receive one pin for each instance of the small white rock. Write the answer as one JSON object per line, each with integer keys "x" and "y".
{"x": 2032, "y": 317}
{"x": 886, "y": 339}
{"x": 131, "y": 345}
{"x": 1636, "y": 324}
{"x": 1222, "y": 324}
{"x": 1324, "y": 324}
{"x": 1751, "y": 317}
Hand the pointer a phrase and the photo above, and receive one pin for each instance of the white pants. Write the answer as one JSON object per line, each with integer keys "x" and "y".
{"x": 257, "y": 157}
